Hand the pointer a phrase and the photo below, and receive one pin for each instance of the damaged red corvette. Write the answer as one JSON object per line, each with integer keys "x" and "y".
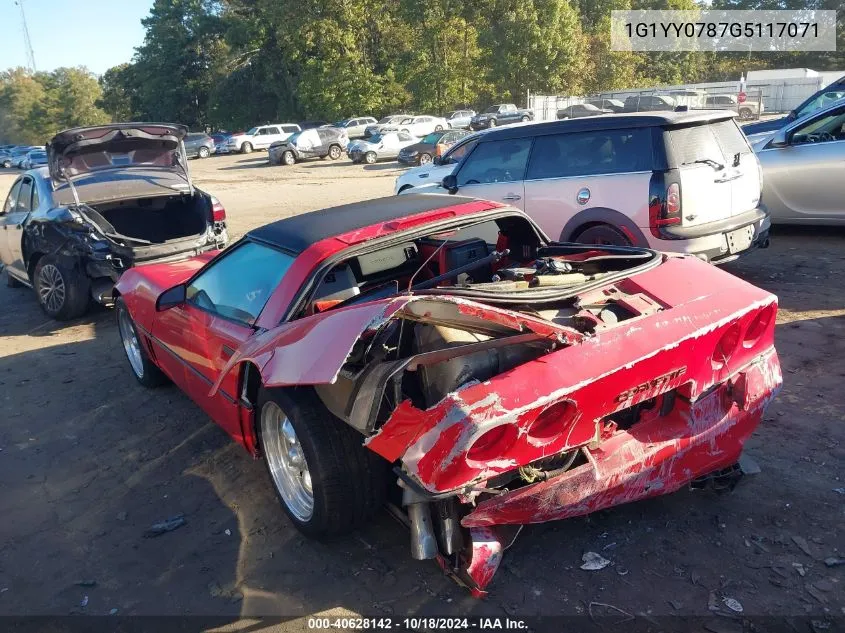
{"x": 439, "y": 354}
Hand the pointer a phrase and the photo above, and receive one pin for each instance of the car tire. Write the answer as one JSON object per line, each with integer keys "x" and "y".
{"x": 246, "y": 148}
{"x": 524, "y": 119}
{"x": 327, "y": 482}
{"x": 424, "y": 159}
{"x": 203, "y": 152}
{"x": 7, "y": 164}
{"x": 438, "y": 128}
{"x": 491, "y": 123}
{"x": 62, "y": 291}
{"x": 602, "y": 234}
{"x": 370, "y": 158}
{"x": 288, "y": 158}
{"x": 334, "y": 152}
{"x": 746, "y": 114}
{"x": 144, "y": 370}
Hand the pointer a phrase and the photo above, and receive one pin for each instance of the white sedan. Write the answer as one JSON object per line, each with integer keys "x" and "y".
{"x": 419, "y": 125}
{"x": 380, "y": 147}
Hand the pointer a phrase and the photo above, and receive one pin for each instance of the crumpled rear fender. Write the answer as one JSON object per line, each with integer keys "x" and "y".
{"x": 311, "y": 351}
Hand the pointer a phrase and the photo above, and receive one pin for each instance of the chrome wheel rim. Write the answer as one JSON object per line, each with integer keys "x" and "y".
{"x": 286, "y": 461}
{"x": 289, "y": 159}
{"x": 425, "y": 159}
{"x": 130, "y": 343}
{"x": 370, "y": 158}
{"x": 51, "y": 288}
{"x": 334, "y": 152}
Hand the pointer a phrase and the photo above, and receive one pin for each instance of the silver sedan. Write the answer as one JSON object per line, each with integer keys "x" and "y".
{"x": 804, "y": 168}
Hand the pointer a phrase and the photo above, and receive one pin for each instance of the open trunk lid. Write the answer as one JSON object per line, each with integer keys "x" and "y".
{"x": 120, "y": 146}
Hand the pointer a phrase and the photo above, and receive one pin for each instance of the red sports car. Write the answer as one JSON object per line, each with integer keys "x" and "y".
{"x": 440, "y": 354}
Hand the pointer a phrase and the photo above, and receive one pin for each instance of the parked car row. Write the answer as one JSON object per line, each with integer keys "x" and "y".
{"x": 19, "y": 156}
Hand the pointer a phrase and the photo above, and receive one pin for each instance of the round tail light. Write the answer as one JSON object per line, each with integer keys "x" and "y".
{"x": 493, "y": 444}
{"x": 552, "y": 422}
{"x": 726, "y": 346}
{"x": 758, "y": 326}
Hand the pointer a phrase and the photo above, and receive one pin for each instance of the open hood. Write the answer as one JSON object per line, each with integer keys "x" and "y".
{"x": 84, "y": 150}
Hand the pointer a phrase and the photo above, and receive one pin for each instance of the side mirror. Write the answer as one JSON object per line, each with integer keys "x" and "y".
{"x": 450, "y": 183}
{"x": 436, "y": 160}
{"x": 779, "y": 139}
{"x": 173, "y": 297}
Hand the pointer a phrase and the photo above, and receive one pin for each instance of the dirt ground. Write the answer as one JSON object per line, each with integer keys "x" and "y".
{"x": 89, "y": 460}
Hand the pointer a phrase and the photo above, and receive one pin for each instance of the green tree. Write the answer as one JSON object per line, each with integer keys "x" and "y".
{"x": 119, "y": 93}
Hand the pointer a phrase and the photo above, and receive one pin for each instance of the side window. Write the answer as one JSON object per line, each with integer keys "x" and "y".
{"x": 25, "y": 196}
{"x": 497, "y": 161}
{"x": 822, "y": 129}
{"x": 12, "y": 199}
{"x": 290, "y": 129}
{"x": 355, "y": 122}
{"x": 824, "y": 99}
{"x": 271, "y": 130}
{"x": 36, "y": 201}
{"x": 238, "y": 285}
{"x": 458, "y": 153}
{"x": 591, "y": 153}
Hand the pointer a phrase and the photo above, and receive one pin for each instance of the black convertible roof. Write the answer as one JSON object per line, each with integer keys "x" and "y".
{"x": 297, "y": 233}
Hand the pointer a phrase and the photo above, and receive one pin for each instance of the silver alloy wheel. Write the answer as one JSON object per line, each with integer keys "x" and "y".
{"x": 130, "y": 342}
{"x": 370, "y": 157}
{"x": 334, "y": 152}
{"x": 425, "y": 159}
{"x": 51, "y": 288}
{"x": 286, "y": 462}
{"x": 289, "y": 158}
{"x": 492, "y": 123}
{"x": 203, "y": 152}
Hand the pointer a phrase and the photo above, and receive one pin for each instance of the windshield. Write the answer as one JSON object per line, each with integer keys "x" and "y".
{"x": 492, "y": 109}
{"x": 251, "y": 131}
{"x": 824, "y": 99}
{"x": 389, "y": 119}
{"x": 340, "y": 123}
{"x": 433, "y": 138}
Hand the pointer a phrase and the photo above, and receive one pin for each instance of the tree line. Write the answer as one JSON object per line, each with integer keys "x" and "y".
{"x": 229, "y": 64}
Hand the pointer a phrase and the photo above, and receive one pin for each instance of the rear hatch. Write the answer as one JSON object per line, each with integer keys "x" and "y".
{"x": 717, "y": 170}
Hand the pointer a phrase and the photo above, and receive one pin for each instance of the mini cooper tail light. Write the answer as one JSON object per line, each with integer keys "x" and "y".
{"x": 493, "y": 444}
{"x": 673, "y": 205}
{"x": 664, "y": 206}
{"x": 218, "y": 211}
{"x": 758, "y": 326}
{"x": 552, "y": 421}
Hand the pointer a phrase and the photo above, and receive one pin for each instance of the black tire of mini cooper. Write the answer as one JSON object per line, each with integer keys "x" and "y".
{"x": 334, "y": 152}
{"x": 603, "y": 234}
{"x": 370, "y": 158}
{"x": 288, "y": 158}
{"x": 203, "y": 152}
{"x": 424, "y": 159}
{"x": 144, "y": 370}
{"x": 62, "y": 291}
{"x": 348, "y": 482}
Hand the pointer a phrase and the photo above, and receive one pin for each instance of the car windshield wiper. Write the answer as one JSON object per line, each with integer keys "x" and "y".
{"x": 706, "y": 161}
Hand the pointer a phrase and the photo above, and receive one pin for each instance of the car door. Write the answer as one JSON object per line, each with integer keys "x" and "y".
{"x": 804, "y": 180}
{"x": 268, "y": 135}
{"x": 496, "y": 171}
{"x": 8, "y": 220}
{"x": 13, "y": 224}
{"x": 199, "y": 336}
{"x": 581, "y": 171}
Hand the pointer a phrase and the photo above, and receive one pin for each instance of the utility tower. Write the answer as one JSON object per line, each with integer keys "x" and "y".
{"x": 30, "y": 54}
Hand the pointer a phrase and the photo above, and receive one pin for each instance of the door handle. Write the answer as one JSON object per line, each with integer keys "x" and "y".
{"x": 512, "y": 196}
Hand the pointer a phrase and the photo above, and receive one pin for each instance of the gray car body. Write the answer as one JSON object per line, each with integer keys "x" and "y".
{"x": 804, "y": 182}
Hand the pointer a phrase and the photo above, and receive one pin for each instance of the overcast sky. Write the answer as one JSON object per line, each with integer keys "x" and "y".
{"x": 98, "y": 34}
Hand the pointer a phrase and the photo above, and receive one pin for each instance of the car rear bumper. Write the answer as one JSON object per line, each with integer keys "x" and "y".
{"x": 711, "y": 241}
